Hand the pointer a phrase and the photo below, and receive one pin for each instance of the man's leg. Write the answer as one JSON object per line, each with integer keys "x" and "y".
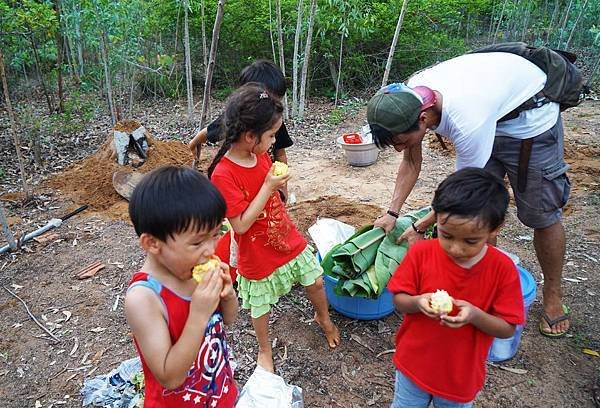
{"x": 549, "y": 246}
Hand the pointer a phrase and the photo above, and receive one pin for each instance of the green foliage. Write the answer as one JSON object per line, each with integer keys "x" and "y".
{"x": 349, "y": 107}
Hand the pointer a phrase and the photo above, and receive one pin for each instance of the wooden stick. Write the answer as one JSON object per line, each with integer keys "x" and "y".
{"x": 32, "y": 316}
{"x": 87, "y": 268}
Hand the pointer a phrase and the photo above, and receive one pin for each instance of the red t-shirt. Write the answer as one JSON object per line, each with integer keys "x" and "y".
{"x": 446, "y": 362}
{"x": 273, "y": 240}
{"x": 209, "y": 381}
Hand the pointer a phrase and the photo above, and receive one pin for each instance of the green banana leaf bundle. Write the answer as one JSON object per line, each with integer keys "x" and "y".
{"x": 364, "y": 263}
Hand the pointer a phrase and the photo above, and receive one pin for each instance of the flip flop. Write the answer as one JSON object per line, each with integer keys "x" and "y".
{"x": 596, "y": 393}
{"x": 552, "y": 322}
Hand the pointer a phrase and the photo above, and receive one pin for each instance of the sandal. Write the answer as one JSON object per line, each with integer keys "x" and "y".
{"x": 596, "y": 393}
{"x": 552, "y": 322}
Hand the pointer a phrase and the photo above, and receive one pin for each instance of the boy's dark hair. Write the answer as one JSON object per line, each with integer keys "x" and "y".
{"x": 172, "y": 199}
{"x": 472, "y": 193}
{"x": 384, "y": 138}
{"x": 266, "y": 73}
{"x": 249, "y": 109}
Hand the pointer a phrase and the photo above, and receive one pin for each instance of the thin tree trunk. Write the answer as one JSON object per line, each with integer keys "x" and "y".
{"x": 388, "y": 65}
{"x": 568, "y": 44}
{"x": 553, "y": 19}
{"x": 105, "y": 64}
{"x": 13, "y": 126}
{"x": 499, "y": 21}
{"x": 211, "y": 62}
{"x": 281, "y": 55}
{"x": 492, "y": 22}
{"x": 528, "y": 6}
{"x": 271, "y": 32}
{"x": 295, "y": 61}
{"x": 204, "y": 50}
{"x": 78, "y": 37}
{"x": 564, "y": 24}
{"x": 12, "y": 244}
{"x": 339, "y": 73}
{"x": 311, "y": 24}
{"x": 59, "y": 55}
{"x": 593, "y": 73}
{"x": 131, "y": 91}
{"x": 40, "y": 76}
{"x": 188, "y": 62}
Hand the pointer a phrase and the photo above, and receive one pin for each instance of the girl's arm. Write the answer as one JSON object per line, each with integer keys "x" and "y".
{"x": 242, "y": 223}
{"x": 487, "y": 323}
{"x": 144, "y": 311}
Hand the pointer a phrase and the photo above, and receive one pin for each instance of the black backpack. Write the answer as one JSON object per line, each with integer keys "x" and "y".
{"x": 564, "y": 84}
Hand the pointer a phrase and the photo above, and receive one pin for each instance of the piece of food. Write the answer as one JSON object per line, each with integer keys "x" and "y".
{"x": 200, "y": 270}
{"x": 441, "y": 302}
{"x": 280, "y": 168}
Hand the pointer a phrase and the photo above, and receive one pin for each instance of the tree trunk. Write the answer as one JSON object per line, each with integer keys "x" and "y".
{"x": 568, "y": 44}
{"x": 131, "y": 91}
{"x": 492, "y": 21}
{"x": 339, "y": 71}
{"x": 552, "y": 20}
{"x": 526, "y": 20}
{"x": 295, "y": 61}
{"x": 59, "y": 55}
{"x": 204, "y": 50}
{"x": 271, "y": 32}
{"x": 499, "y": 22}
{"x": 593, "y": 73}
{"x": 78, "y": 37}
{"x": 12, "y": 244}
{"x": 211, "y": 62}
{"x": 388, "y": 65}
{"x": 188, "y": 62}
{"x": 107, "y": 79}
{"x": 40, "y": 76}
{"x": 305, "y": 64}
{"x": 13, "y": 125}
{"x": 564, "y": 24}
{"x": 281, "y": 55}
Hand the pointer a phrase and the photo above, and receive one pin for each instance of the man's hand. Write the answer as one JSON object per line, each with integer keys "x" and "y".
{"x": 386, "y": 221}
{"x": 409, "y": 235}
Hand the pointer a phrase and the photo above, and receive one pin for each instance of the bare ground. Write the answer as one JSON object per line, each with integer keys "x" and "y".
{"x": 95, "y": 338}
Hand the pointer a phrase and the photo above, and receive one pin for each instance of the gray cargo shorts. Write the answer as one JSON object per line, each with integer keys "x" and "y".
{"x": 548, "y": 186}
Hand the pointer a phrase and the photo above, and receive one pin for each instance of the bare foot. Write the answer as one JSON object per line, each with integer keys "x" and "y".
{"x": 331, "y": 331}
{"x": 265, "y": 360}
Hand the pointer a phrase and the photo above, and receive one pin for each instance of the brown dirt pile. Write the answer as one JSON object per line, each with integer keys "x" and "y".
{"x": 305, "y": 213}
{"x": 90, "y": 181}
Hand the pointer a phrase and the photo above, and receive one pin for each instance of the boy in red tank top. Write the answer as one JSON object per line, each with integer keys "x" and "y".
{"x": 178, "y": 323}
{"x": 440, "y": 356}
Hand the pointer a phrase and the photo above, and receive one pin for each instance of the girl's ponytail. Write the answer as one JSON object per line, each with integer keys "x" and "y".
{"x": 249, "y": 109}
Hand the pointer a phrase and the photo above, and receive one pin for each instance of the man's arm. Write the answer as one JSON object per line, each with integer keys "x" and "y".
{"x": 195, "y": 145}
{"x": 407, "y": 176}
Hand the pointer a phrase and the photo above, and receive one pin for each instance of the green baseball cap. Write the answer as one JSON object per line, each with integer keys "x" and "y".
{"x": 395, "y": 108}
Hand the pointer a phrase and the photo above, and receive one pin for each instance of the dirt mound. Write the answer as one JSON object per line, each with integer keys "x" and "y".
{"x": 90, "y": 181}
{"x": 305, "y": 213}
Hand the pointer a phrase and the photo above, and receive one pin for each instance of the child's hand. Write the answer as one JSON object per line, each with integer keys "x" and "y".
{"x": 227, "y": 292}
{"x": 467, "y": 312}
{"x": 276, "y": 182}
{"x": 424, "y": 304}
{"x": 206, "y": 296}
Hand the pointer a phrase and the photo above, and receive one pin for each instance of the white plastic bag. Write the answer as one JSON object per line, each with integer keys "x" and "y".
{"x": 327, "y": 232}
{"x": 267, "y": 390}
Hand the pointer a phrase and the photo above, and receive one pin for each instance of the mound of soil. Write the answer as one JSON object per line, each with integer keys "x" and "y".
{"x": 90, "y": 180}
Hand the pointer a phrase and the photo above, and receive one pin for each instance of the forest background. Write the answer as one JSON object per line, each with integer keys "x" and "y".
{"x": 83, "y": 56}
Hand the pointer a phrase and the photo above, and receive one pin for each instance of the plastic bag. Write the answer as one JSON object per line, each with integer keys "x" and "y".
{"x": 118, "y": 389}
{"x": 327, "y": 232}
{"x": 267, "y": 390}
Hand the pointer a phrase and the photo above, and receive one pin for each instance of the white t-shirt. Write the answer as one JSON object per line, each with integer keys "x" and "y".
{"x": 479, "y": 89}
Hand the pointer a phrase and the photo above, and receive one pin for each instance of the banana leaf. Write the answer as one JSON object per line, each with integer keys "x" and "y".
{"x": 358, "y": 253}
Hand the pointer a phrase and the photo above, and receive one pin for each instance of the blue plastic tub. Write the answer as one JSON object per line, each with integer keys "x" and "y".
{"x": 357, "y": 307}
{"x": 504, "y": 349}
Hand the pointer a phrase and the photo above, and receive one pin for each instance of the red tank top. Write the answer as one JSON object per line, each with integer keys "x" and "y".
{"x": 209, "y": 381}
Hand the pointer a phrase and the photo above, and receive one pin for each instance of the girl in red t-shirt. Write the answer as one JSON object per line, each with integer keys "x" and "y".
{"x": 272, "y": 255}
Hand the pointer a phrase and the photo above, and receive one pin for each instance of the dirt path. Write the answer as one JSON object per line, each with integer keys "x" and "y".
{"x": 95, "y": 339}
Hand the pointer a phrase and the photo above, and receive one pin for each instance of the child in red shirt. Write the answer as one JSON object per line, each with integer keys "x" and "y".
{"x": 440, "y": 357}
{"x": 272, "y": 255}
{"x": 178, "y": 323}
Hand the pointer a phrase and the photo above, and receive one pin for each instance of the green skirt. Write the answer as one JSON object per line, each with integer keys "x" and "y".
{"x": 260, "y": 295}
